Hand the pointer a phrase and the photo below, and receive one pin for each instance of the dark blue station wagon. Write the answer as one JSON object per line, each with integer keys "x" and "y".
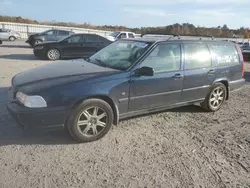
{"x": 127, "y": 78}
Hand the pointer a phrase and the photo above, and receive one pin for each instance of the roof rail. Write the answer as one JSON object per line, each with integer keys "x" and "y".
{"x": 172, "y": 36}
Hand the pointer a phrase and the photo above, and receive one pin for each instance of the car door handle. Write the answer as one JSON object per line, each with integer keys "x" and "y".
{"x": 211, "y": 71}
{"x": 177, "y": 76}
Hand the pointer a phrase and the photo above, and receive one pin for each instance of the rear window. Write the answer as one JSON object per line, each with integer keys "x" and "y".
{"x": 197, "y": 56}
{"x": 225, "y": 55}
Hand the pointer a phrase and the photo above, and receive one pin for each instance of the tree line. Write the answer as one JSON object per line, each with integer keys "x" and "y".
{"x": 180, "y": 29}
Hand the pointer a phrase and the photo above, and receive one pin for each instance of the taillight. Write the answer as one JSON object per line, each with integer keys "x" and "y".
{"x": 242, "y": 60}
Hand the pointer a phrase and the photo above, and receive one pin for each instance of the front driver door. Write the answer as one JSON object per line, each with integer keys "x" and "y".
{"x": 165, "y": 86}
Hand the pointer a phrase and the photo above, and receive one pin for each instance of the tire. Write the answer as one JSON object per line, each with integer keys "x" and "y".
{"x": 53, "y": 54}
{"x": 214, "y": 99}
{"x": 12, "y": 38}
{"x": 92, "y": 128}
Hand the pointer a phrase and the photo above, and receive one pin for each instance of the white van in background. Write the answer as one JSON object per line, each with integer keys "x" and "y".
{"x": 120, "y": 35}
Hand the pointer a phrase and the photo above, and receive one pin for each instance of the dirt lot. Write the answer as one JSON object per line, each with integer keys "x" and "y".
{"x": 185, "y": 147}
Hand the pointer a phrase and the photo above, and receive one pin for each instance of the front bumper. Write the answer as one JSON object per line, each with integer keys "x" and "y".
{"x": 47, "y": 119}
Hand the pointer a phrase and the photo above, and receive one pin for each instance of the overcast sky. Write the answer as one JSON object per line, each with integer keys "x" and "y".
{"x": 133, "y": 13}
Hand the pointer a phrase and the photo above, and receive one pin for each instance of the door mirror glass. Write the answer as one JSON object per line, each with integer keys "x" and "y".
{"x": 145, "y": 71}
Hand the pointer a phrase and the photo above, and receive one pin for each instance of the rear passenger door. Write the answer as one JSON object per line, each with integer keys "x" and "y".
{"x": 91, "y": 44}
{"x": 199, "y": 73}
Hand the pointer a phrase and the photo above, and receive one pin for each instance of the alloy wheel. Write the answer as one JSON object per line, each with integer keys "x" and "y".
{"x": 217, "y": 97}
{"x": 53, "y": 54}
{"x": 92, "y": 121}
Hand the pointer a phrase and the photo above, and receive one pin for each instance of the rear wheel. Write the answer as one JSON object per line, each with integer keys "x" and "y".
{"x": 215, "y": 98}
{"x": 90, "y": 120}
{"x": 12, "y": 38}
{"x": 53, "y": 54}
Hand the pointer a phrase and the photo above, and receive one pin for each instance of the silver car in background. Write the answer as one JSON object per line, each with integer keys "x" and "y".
{"x": 9, "y": 35}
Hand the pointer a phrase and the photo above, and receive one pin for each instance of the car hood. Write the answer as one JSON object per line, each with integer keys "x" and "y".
{"x": 59, "y": 73}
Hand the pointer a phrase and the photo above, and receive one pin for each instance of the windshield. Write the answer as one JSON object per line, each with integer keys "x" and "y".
{"x": 114, "y": 34}
{"x": 120, "y": 54}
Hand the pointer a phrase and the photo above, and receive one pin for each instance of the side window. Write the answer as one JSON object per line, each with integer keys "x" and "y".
{"x": 75, "y": 39}
{"x": 52, "y": 32}
{"x": 3, "y": 30}
{"x": 197, "y": 56}
{"x": 130, "y": 35}
{"x": 63, "y": 33}
{"x": 122, "y": 36}
{"x": 164, "y": 58}
{"x": 225, "y": 55}
{"x": 91, "y": 38}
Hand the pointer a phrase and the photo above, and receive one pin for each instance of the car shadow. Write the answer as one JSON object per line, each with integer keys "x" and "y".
{"x": 184, "y": 109}
{"x": 14, "y": 46}
{"x": 28, "y": 57}
{"x": 247, "y": 76}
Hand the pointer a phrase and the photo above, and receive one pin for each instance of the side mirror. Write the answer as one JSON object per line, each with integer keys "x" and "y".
{"x": 145, "y": 71}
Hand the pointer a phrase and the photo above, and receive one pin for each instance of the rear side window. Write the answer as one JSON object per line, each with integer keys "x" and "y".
{"x": 225, "y": 55}
{"x": 197, "y": 56}
{"x": 130, "y": 35}
{"x": 91, "y": 38}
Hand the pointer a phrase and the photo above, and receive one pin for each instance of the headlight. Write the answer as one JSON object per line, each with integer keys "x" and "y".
{"x": 33, "y": 101}
{"x": 38, "y": 47}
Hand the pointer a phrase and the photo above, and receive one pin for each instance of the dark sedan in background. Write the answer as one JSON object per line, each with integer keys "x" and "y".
{"x": 73, "y": 46}
{"x": 49, "y": 35}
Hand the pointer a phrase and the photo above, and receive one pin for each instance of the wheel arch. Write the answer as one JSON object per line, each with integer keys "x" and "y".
{"x": 226, "y": 83}
{"x": 12, "y": 36}
{"x": 104, "y": 98}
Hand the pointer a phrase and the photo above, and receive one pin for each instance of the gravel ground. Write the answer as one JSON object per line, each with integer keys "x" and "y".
{"x": 185, "y": 147}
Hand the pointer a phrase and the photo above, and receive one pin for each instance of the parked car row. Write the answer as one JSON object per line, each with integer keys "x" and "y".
{"x": 126, "y": 78}
{"x": 56, "y": 44}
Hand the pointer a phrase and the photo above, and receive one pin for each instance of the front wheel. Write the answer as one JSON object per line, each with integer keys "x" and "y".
{"x": 215, "y": 98}
{"x": 12, "y": 38}
{"x": 90, "y": 120}
{"x": 53, "y": 54}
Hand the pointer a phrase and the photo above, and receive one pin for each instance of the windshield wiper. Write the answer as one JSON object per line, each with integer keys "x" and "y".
{"x": 101, "y": 62}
